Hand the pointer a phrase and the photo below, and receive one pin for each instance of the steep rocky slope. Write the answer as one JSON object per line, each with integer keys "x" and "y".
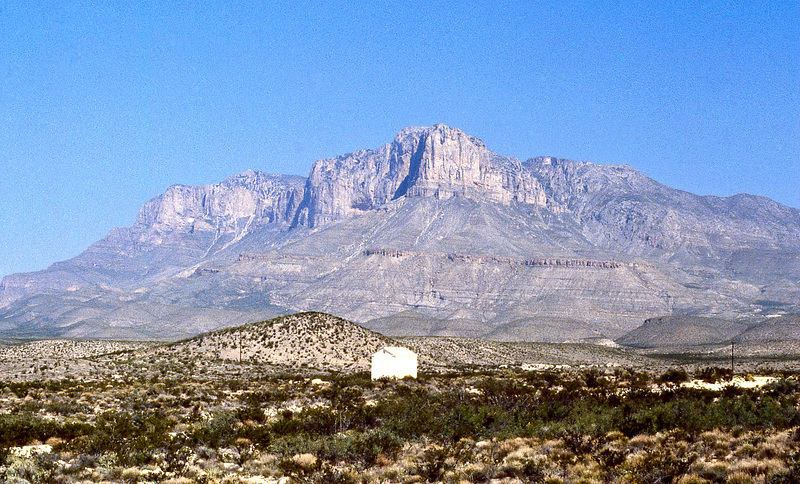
{"x": 474, "y": 243}
{"x": 440, "y": 162}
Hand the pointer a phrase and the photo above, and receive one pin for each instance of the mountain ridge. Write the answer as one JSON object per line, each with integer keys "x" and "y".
{"x": 432, "y": 222}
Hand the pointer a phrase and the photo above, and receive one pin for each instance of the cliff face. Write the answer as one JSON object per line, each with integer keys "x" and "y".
{"x": 251, "y": 197}
{"x": 474, "y": 243}
{"x": 616, "y": 206}
{"x": 440, "y": 162}
{"x": 620, "y": 208}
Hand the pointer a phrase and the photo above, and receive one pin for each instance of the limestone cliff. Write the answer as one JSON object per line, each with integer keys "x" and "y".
{"x": 251, "y": 198}
{"x": 440, "y": 162}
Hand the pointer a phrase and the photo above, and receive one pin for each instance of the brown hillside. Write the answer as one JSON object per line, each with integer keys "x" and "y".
{"x": 309, "y": 340}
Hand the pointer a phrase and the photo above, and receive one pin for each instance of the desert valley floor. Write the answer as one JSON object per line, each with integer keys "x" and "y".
{"x": 290, "y": 400}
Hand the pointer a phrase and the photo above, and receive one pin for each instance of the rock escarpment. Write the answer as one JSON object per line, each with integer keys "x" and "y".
{"x": 251, "y": 197}
{"x": 440, "y": 162}
{"x": 616, "y": 206}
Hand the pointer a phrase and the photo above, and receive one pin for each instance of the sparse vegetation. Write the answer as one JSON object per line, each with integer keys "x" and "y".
{"x": 544, "y": 413}
{"x": 592, "y": 425}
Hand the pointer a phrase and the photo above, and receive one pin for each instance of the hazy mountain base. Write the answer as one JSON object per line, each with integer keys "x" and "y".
{"x": 777, "y": 336}
{"x": 514, "y": 292}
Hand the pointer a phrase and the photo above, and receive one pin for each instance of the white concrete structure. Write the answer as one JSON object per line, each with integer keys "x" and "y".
{"x": 394, "y": 362}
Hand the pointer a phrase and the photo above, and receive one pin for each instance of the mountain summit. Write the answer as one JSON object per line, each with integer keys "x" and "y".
{"x": 430, "y": 234}
{"x": 439, "y": 162}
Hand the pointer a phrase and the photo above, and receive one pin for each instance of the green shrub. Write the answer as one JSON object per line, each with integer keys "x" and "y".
{"x": 131, "y": 436}
{"x": 366, "y": 447}
{"x": 21, "y": 429}
{"x": 674, "y": 375}
{"x": 431, "y": 464}
{"x": 218, "y": 431}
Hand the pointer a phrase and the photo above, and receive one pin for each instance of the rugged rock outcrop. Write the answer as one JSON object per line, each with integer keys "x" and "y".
{"x": 440, "y": 162}
{"x": 249, "y": 198}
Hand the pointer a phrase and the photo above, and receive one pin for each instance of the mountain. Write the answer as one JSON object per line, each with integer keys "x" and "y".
{"x": 771, "y": 330}
{"x": 431, "y": 234}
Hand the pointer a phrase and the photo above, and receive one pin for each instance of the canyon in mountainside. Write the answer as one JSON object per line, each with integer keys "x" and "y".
{"x": 431, "y": 234}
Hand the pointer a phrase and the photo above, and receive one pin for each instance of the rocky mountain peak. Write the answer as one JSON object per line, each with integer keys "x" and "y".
{"x": 438, "y": 161}
{"x": 439, "y": 132}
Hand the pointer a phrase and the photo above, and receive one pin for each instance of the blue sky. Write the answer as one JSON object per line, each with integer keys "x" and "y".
{"x": 103, "y": 105}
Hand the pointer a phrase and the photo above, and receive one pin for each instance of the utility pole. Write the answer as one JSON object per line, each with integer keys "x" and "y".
{"x": 240, "y": 355}
{"x": 732, "y": 367}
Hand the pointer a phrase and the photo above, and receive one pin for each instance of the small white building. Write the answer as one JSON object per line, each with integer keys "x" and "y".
{"x": 394, "y": 362}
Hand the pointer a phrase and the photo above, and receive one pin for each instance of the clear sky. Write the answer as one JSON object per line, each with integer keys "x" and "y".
{"x": 103, "y": 105}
